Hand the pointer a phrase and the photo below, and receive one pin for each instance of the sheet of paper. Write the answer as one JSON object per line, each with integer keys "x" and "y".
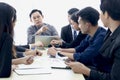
{"x": 57, "y": 63}
{"x": 32, "y": 66}
{"x": 33, "y": 71}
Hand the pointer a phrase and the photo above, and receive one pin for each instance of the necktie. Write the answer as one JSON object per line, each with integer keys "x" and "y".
{"x": 75, "y": 34}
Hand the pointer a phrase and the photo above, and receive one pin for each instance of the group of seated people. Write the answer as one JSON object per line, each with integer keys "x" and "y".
{"x": 91, "y": 49}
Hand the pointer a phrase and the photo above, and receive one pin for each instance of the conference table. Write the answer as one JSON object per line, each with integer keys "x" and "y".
{"x": 56, "y": 74}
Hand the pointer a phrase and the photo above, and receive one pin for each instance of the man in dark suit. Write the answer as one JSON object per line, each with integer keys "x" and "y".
{"x": 108, "y": 67}
{"x": 77, "y": 40}
{"x": 67, "y": 31}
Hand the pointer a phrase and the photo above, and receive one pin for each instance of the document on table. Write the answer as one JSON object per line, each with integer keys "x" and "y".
{"x": 58, "y": 63}
{"x": 32, "y": 69}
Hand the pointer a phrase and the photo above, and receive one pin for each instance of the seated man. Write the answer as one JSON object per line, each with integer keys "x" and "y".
{"x": 67, "y": 32}
{"x": 39, "y": 28}
{"x": 110, "y": 50}
{"x": 77, "y": 40}
{"x": 88, "y": 48}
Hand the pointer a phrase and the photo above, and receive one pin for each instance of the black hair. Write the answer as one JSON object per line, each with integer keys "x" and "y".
{"x": 7, "y": 17}
{"x": 112, "y": 7}
{"x": 89, "y": 14}
{"x": 72, "y": 10}
{"x": 35, "y": 10}
{"x": 74, "y": 17}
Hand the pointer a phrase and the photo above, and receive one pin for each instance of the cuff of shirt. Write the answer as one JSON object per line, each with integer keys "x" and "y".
{"x": 94, "y": 75}
{"x": 75, "y": 56}
{"x": 24, "y": 54}
{"x": 30, "y": 46}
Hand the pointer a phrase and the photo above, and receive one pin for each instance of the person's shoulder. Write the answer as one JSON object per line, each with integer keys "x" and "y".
{"x": 117, "y": 35}
{"x": 102, "y": 30}
{"x": 100, "y": 34}
{"x": 31, "y": 27}
{"x": 48, "y": 25}
{"x": 66, "y": 26}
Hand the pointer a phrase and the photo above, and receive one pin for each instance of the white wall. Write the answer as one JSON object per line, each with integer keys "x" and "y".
{"x": 54, "y": 11}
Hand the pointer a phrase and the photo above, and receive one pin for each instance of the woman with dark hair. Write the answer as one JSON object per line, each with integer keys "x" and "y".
{"x": 7, "y": 50}
{"x": 7, "y": 20}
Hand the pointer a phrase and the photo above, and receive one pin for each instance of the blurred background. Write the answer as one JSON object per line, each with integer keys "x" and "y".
{"x": 54, "y": 11}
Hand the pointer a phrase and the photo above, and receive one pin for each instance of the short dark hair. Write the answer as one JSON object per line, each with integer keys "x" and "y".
{"x": 112, "y": 7}
{"x": 72, "y": 10}
{"x": 89, "y": 14}
{"x": 35, "y": 10}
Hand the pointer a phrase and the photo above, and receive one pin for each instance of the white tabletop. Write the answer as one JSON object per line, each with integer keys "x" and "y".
{"x": 57, "y": 74}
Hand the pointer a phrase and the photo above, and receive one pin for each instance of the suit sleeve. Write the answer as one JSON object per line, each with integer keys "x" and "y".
{"x": 77, "y": 41}
{"x": 63, "y": 34}
{"x": 115, "y": 71}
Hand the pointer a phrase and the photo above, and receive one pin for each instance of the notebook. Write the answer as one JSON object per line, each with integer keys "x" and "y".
{"x": 32, "y": 69}
{"x": 45, "y": 39}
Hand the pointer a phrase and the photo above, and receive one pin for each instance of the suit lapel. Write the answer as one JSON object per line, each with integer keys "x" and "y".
{"x": 70, "y": 32}
{"x": 109, "y": 42}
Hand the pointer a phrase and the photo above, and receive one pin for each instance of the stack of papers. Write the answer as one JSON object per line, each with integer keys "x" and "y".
{"x": 32, "y": 69}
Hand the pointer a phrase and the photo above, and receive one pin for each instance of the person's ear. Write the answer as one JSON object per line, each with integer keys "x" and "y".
{"x": 88, "y": 24}
{"x": 106, "y": 15}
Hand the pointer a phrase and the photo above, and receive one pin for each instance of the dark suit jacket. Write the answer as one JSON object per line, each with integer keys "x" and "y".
{"x": 66, "y": 34}
{"x": 75, "y": 42}
{"x": 111, "y": 52}
{"x": 20, "y": 50}
{"x": 6, "y": 43}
